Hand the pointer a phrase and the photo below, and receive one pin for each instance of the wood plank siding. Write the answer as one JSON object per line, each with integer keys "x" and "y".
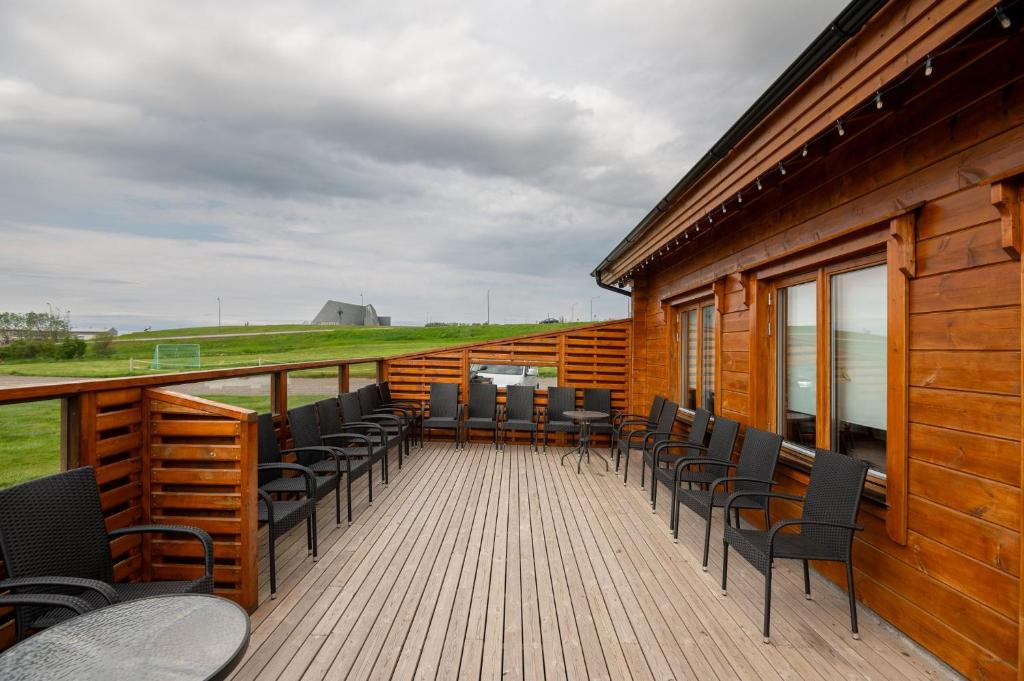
{"x": 941, "y": 560}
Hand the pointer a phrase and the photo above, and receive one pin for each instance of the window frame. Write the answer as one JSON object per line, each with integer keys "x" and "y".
{"x": 825, "y": 402}
{"x": 680, "y": 360}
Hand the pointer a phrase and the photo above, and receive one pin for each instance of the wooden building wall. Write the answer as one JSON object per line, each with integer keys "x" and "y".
{"x": 954, "y": 585}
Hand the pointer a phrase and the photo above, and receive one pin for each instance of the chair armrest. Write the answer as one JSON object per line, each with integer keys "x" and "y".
{"x": 382, "y": 418}
{"x": 773, "y": 495}
{"x": 619, "y": 415}
{"x": 282, "y": 466}
{"x": 350, "y": 437}
{"x": 680, "y": 444}
{"x": 106, "y": 591}
{"x": 737, "y": 478}
{"x": 197, "y": 533}
{"x": 358, "y": 426}
{"x": 654, "y": 433}
{"x": 797, "y": 521}
{"x": 79, "y": 605}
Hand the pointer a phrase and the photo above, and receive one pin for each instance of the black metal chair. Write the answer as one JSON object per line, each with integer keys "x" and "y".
{"x": 600, "y": 399}
{"x": 827, "y": 524}
{"x": 560, "y": 400}
{"x": 647, "y": 440}
{"x": 482, "y": 413}
{"x": 754, "y": 471}
{"x": 381, "y": 437}
{"x": 623, "y": 423}
{"x": 332, "y": 423}
{"x": 693, "y": 448}
{"x": 396, "y": 420}
{"x": 326, "y": 460}
{"x": 414, "y": 408}
{"x": 281, "y": 515}
{"x": 445, "y": 412}
{"x": 520, "y": 414}
{"x": 56, "y": 550}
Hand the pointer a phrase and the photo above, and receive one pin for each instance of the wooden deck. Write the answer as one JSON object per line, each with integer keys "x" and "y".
{"x": 480, "y": 564}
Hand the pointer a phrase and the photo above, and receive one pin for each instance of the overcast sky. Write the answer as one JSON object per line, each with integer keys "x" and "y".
{"x": 157, "y": 155}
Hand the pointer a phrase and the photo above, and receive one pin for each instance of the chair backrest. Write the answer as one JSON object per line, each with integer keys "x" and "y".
{"x": 723, "y": 439}
{"x": 657, "y": 406}
{"x": 698, "y": 427}
{"x": 666, "y": 421}
{"x": 483, "y": 400}
{"x": 597, "y": 399}
{"x": 269, "y": 449}
{"x": 560, "y": 400}
{"x": 519, "y": 405}
{"x": 54, "y": 526}
{"x": 302, "y": 422}
{"x": 385, "y": 391}
{"x": 329, "y": 416}
{"x": 369, "y": 398}
{"x": 758, "y": 456}
{"x": 833, "y": 495}
{"x": 444, "y": 400}
{"x": 350, "y": 409}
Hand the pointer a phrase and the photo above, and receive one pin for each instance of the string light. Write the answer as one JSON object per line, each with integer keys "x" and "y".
{"x": 839, "y": 127}
{"x": 723, "y": 207}
{"x": 1004, "y": 20}
{"x": 804, "y": 152}
{"x": 878, "y": 100}
{"x": 782, "y": 168}
{"x": 759, "y": 184}
{"x": 928, "y": 66}
{"x": 739, "y": 197}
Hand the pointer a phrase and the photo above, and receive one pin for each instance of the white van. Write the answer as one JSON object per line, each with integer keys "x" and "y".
{"x": 503, "y": 375}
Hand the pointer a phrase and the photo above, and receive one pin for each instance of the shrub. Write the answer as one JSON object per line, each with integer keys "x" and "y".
{"x": 103, "y": 345}
{"x": 70, "y": 348}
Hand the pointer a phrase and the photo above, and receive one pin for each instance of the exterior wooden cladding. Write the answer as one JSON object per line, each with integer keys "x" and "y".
{"x": 942, "y": 559}
{"x": 593, "y": 356}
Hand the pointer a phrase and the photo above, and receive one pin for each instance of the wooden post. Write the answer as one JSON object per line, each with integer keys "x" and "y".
{"x": 279, "y": 392}
{"x": 381, "y": 370}
{"x": 70, "y": 433}
{"x": 344, "y": 373}
{"x": 901, "y": 266}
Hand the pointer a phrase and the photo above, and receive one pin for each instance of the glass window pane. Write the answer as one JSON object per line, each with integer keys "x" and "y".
{"x": 688, "y": 365}
{"x": 859, "y": 364}
{"x": 798, "y": 362}
{"x": 707, "y": 356}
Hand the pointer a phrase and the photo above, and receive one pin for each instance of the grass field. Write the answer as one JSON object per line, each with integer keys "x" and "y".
{"x": 30, "y": 433}
{"x": 343, "y": 342}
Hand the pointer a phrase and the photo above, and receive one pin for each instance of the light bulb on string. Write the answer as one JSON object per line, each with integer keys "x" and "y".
{"x": 804, "y": 152}
{"x": 839, "y": 128}
{"x": 878, "y": 100}
{"x": 739, "y": 197}
{"x": 1004, "y": 20}
{"x": 782, "y": 168}
{"x": 928, "y": 69}
{"x": 759, "y": 184}
{"x": 723, "y": 208}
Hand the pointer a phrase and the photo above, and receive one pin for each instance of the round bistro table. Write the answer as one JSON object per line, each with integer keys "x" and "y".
{"x": 584, "y": 418}
{"x": 187, "y": 637}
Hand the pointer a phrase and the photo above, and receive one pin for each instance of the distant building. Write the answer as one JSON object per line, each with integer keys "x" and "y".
{"x": 91, "y": 334}
{"x": 336, "y": 313}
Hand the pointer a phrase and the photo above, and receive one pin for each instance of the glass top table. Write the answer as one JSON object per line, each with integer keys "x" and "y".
{"x": 188, "y": 637}
{"x": 584, "y": 417}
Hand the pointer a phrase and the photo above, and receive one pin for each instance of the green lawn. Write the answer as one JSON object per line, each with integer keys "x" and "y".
{"x": 343, "y": 342}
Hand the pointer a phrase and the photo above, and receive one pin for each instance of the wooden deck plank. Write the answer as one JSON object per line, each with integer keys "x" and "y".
{"x": 483, "y": 564}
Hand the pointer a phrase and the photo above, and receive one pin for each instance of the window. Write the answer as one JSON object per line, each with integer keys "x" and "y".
{"x": 830, "y": 359}
{"x": 697, "y": 356}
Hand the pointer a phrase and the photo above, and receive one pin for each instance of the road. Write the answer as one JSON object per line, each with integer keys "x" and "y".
{"x": 158, "y": 339}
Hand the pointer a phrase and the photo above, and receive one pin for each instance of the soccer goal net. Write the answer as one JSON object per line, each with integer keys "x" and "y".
{"x": 176, "y": 356}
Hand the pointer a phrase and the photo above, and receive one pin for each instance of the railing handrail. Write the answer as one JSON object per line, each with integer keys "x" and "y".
{"x": 47, "y": 391}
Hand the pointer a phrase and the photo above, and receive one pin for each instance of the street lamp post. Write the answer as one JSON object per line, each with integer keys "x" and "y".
{"x": 218, "y": 312}
{"x": 592, "y": 305}
{"x": 572, "y": 314}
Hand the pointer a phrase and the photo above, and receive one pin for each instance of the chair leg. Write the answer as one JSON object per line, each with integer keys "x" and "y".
{"x": 337, "y": 502}
{"x": 654, "y": 489}
{"x": 273, "y": 564}
{"x": 707, "y": 539}
{"x": 673, "y": 512}
{"x": 807, "y": 581}
{"x": 348, "y": 495}
{"x": 853, "y": 599}
{"x": 675, "y": 528}
{"x": 625, "y": 468}
{"x": 312, "y": 526}
{"x": 309, "y": 535}
{"x": 767, "y": 604}
{"x": 545, "y": 440}
{"x": 369, "y": 484}
{"x": 643, "y": 467}
{"x": 725, "y": 567}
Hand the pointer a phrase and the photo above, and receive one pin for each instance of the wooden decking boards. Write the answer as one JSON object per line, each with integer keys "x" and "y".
{"x": 482, "y": 564}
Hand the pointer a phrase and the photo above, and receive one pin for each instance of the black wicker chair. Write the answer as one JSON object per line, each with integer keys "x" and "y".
{"x": 647, "y": 440}
{"x": 396, "y": 420}
{"x": 827, "y": 524}
{"x": 520, "y": 414}
{"x": 445, "y": 410}
{"x": 623, "y": 423}
{"x": 600, "y": 399}
{"x": 560, "y": 400}
{"x": 56, "y": 550}
{"x": 754, "y": 471}
{"x": 281, "y": 515}
{"x": 414, "y": 409}
{"x": 662, "y": 459}
{"x": 332, "y": 423}
{"x": 330, "y": 461}
{"x": 382, "y": 437}
{"x": 482, "y": 413}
